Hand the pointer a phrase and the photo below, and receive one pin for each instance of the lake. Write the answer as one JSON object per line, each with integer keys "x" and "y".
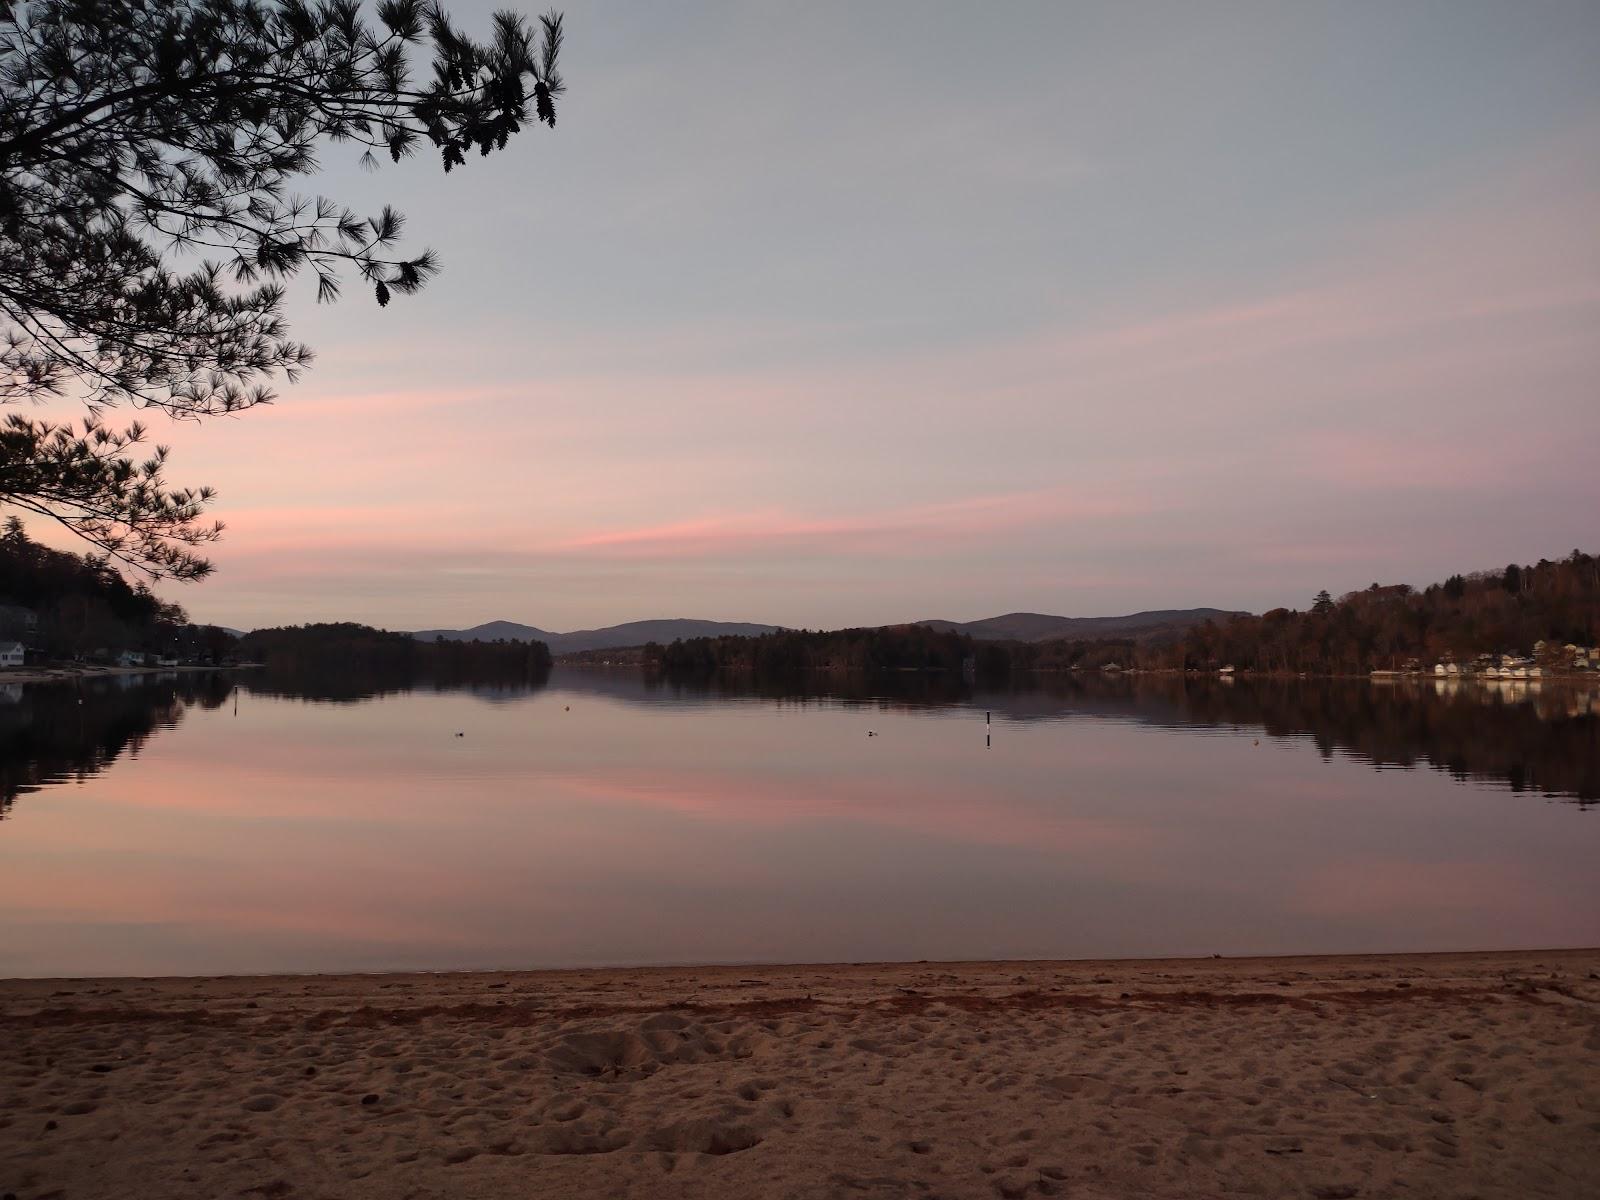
{"x": 211, "y": 824}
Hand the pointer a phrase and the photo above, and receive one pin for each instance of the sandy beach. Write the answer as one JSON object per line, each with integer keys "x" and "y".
{"x": 1429, "y": 1075}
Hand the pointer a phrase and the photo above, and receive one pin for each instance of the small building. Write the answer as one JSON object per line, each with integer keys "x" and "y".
{"x": 130, "y": 658}
{"x": 12, "y": 654}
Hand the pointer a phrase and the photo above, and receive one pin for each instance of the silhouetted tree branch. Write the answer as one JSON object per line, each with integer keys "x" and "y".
{"x": 146, "y": 228}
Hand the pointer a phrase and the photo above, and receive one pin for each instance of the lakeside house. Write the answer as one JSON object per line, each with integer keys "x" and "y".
{"x": 12, "y": 654}
{"x": 130, "y": 658}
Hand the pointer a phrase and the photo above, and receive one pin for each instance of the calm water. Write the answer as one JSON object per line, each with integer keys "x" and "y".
{"x": 195, "y": 826}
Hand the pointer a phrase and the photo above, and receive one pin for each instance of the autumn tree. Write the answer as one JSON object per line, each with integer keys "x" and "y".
{"x": 147, "y": 229}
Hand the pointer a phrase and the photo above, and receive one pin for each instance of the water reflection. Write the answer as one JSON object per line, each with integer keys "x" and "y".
{"x": 295, "y": 678}
{"x": 54, "y": 733}
{"x": 1544, "y": 740}
{"x": 225, "y": 823}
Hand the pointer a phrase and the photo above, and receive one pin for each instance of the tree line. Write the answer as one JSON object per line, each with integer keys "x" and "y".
{"x": 798, "y": 651}
{"x": 1380, "y": 627}
{"x": 1385, "y": 627}
{"x": 80, "y": 604}
{"x": 346, "y": 661}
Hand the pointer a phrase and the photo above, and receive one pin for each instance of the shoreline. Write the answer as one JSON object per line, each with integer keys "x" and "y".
{"x": 1589, "y": 679}
{"x": 1226, "y": 962}
{"x": 1444, "y": 1073}
{"x": 72, "y": 674}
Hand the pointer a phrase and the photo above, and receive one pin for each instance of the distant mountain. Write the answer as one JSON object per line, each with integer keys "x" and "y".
{"x": 490, "y": 631}
{"x": 637, "y": 633}
{"x": 633, "y": 633}
{"x": 1021, "y": 627}
{"x": 1012, "y": 626}
{"x": 1041, "y": 627}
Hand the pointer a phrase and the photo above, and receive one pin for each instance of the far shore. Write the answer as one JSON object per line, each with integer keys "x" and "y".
{"x": 1557, "y": 676}
{"x": 66, "y": 674}
{"x": 1324, "y": 1077}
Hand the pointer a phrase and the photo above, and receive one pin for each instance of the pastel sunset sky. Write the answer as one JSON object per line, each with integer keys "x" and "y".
{"x": 827, "y": 314}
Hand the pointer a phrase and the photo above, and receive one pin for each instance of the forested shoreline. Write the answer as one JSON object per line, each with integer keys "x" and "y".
{"x": 1546, "y": 615}
{"x": 66, "y": 607}
{"x": 348, "y": 661}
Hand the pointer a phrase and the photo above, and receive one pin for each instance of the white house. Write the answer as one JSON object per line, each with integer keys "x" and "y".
{"x": 130, "y": 658}
{"x": 12, "y": 654}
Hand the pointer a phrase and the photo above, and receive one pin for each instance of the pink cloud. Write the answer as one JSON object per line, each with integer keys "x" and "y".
{"x": 911, "y": 530}
{"x": 1444, "y": 352}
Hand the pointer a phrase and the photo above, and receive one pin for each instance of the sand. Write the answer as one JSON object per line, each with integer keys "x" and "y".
{"x": 1438, "y": 1075}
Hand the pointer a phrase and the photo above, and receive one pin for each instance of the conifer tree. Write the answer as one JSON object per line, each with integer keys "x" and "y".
{"x": 147, "y": 229}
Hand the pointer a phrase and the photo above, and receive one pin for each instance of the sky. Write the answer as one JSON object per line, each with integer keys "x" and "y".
{"x": 835, "y": 314}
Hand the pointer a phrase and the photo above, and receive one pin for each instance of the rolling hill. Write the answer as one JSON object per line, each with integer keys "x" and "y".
{"x": 1042, "y": 627}
{"x": 1021, "y": 627}
{"x": 631, "y": 633}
